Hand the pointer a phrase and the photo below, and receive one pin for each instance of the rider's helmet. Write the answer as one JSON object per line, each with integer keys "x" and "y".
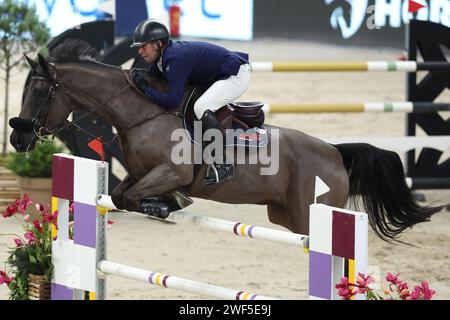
{"x": 149, "y": 30}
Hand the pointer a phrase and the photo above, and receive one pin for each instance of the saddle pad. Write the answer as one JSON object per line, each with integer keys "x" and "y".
{"x": 251, "y": 138}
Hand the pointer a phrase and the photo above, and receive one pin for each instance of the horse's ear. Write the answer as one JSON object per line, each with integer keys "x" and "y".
{"x": 44, "y": 64}
{"x": 30, "y": 61}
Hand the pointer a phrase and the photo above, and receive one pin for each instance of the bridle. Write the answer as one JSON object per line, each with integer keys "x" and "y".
{"x": 40, "y": 119}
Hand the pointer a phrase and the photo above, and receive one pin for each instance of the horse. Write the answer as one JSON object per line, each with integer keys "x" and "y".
{"x": 352, "y": 171}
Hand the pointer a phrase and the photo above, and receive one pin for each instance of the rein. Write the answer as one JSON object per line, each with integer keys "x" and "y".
{"x": 148, "y": 118}
{"x": 45, "y": 106}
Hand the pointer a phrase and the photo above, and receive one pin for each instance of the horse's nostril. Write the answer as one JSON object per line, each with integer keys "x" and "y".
{"x": 17, "y": 141}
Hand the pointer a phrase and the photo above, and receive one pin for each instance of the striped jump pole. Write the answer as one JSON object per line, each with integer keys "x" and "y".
{"x": 337, "y": 242}
{"x": 236, "y": 228}
{"x": 166, "y": 281}
{"x": 350, "y": 66}
{"x": 375, "y": 107}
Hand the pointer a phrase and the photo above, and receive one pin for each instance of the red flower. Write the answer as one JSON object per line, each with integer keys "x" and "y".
{"x": 29, "y": 235}
{"x": 37, "y": 226}
{"x": 422, "y": 292}
{"x": 10, "y": 211}
{"x": 50, "y": 218}
{"x": 4, "y": 278}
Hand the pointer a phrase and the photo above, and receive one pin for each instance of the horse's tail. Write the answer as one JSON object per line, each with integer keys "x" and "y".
{"x": 377, "y": 176}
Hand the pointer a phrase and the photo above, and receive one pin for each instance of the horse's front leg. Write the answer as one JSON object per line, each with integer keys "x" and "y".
{"x": 119, "y": 190}
{"x": 160, "y": 181}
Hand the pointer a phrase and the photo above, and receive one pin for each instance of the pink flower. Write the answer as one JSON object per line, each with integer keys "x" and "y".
{"x": 26, "y": 218}
{"x": 364, "y": 281}
{"x": 23, "y": 203}
{"x": 391, "y": 278}
{"x": 345, "y": 289}
{"x": 4, "y": 278}
{"x": 29, "y": 235}
{"x": 404, "y": 294}
{"x": 18, "y": 242}
{"x": 402, "y": 286}
{"x": 40, "y": 207}
{"x": 10, "y": 211}
{"x": 422, "y": 292}
{"x": 50, "y": 218}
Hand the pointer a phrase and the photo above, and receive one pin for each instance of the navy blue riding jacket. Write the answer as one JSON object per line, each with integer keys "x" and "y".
{"x": 194, "y": 63}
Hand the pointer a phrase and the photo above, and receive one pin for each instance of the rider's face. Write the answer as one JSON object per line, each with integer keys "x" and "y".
{"x": 149, "y": 52}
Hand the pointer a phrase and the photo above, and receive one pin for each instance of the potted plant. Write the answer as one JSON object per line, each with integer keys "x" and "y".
{"x": 29, "y": 264}
{"x": 34, "y": 172}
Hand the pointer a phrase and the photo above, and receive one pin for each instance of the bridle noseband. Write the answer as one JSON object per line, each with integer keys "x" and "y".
{"x": 40, "y": 119}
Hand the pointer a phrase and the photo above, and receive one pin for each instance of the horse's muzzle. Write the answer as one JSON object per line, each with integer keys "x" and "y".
{"x": 22, "y": 141}
{"x": 24, "y": 125}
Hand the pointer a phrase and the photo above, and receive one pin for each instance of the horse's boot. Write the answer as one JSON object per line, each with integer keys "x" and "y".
{"x": 216, "y": 172}
{"x": 158, "y": 206}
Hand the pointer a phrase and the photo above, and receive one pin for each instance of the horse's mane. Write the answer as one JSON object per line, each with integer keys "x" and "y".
{"x": 77, "y": 51}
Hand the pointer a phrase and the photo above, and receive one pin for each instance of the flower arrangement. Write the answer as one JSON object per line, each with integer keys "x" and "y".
{"x": 32, "y": 251}
{"x": 397, "y": 289}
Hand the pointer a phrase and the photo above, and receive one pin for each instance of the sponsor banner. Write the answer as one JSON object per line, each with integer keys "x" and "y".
{"x": 231, "y": 19}
{"x": 60, "y": 15}
{"x": 359, "y": 22}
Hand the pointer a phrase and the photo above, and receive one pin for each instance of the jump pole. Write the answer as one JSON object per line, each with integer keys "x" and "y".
{"x": 337, "y": 242}
{"x": 374, "y": 107}
{"x": 348, "y": 66}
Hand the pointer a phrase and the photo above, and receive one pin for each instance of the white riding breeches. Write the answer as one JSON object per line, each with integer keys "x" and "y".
{"x": 224, "y": 91}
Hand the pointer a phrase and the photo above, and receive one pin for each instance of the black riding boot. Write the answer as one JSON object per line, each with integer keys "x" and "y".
{"x": 216, "y": 172}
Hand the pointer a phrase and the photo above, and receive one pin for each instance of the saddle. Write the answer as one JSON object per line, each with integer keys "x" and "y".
{"x": 247, "y": 116}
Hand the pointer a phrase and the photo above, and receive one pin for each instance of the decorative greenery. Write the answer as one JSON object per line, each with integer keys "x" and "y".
{"x": 36, "y": 163}
{"x": 20, "y": 31}
{"x": 32, "y": 253}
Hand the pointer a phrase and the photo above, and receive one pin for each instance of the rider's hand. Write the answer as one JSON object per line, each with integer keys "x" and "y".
{"x": 140, "y": 82}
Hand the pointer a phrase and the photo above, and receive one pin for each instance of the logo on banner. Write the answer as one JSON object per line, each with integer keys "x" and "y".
{"x": 350, "y": 16}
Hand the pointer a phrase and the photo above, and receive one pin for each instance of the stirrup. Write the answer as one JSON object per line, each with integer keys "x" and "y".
{"x": 216, "y": 177}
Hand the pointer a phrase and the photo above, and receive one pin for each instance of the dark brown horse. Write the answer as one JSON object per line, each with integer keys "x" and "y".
{"x": 56, "y": 90}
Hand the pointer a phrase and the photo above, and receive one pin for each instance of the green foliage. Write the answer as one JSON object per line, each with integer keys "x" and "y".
{"x": 20, "y": 31}
{"x": 36, "y": 163}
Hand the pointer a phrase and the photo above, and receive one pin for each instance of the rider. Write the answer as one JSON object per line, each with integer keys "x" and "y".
{"x": 225, "y": 73}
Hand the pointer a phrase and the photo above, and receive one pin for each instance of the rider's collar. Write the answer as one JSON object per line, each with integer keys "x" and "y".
{"x": 159, "y": 64}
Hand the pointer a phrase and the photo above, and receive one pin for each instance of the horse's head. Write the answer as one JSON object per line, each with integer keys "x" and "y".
{"x": 43, "y": 111}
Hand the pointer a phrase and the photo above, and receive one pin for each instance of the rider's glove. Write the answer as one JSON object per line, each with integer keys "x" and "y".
{"x": 140, "y": 82}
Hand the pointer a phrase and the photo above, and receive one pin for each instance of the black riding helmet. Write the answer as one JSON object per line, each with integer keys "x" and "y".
{"x": 149, "y": 30}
